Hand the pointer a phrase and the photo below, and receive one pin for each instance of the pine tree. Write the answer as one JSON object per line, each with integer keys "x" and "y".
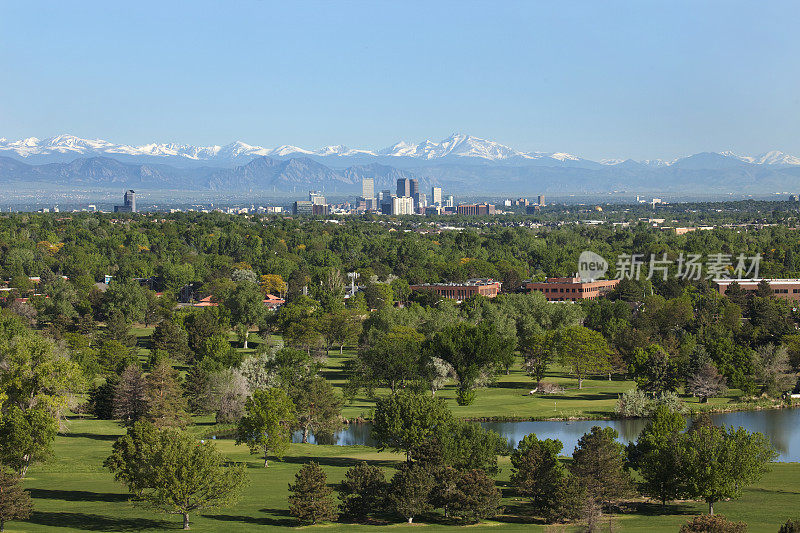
{"x": 363, "y": 491}
{"x": 166, "y": 405}
{"x": 130, "y": 396}
{"x": 15, "y": 503}
{"x": 599, "y": 464}
{"x": 537, "y": 472}
{"x": 311, "y": 500}
{"x": 410, "y": 491}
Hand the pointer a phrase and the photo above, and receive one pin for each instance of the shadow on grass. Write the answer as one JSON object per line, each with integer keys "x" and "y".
{"x": 655, "y": 509}
{"x": 93, "y": 436}
{"x": 94, "y": 522}
{"x": 77, "y": 495}
{"x": 285, "y": 519}
{"x": 585, "y": 396}
{"x": 338, "y": 461}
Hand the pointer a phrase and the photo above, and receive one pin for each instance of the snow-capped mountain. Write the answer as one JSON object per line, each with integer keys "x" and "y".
{"x": 458, "y": 148}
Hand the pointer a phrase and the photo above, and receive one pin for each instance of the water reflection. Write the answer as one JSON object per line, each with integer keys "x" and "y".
{"x": 782, "y": 426}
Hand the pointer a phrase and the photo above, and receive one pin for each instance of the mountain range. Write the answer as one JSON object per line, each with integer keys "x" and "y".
{"x": 462, "y": 163}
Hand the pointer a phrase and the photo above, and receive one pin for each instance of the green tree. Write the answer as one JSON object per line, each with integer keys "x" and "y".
{"x": 265, "y": 427}
{"x": 658, "y": 456}
{"x": 126, "y": 297}
{"x": 130, "y": 457}
{"x": 26, "y": 437}
{"x": 599, "y": 464}
{"x": 340, "y": 328}
{"x": 475, "y": 496}
{"x": 246, "y": 305}
{"x": 654, "y": 370}
{"x": 15, "y": 503}
{"x": 101, "y": 399}
{"x": 182, "y": 475}
{"x": 537, "y": 472}
{"x": 405, "y": 420}
{"x": 537, "y": 356}
{"x": 317, "y": 407}
{"x": 393, "y": 360}
{"x": 115, "y": 356}
{"x": 719, "y": 462}
{"x": 173, "y": 339}
{"x": 477, "y": 354}
{"x": 378, "y": 295}
{"x": 166, "y": 404}
{"x": 583, "y": 351}
{"x": 311, "y": 499}
{"x": 362, "y": 492}
{"x": 410, "y": 490}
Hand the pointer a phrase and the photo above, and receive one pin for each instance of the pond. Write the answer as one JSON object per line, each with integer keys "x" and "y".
{"x": 782, "y": 426}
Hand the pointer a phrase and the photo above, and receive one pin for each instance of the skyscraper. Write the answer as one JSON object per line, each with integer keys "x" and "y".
{"x": 403, "y": 205}
{"x": 436, "y": 195}
{"x": 541, "y": 200}
{"x": 128, "y": 203}
{"x": 414, "y": 186}
{"x": 368, "y": 188}
{"x": 403, "y": 187}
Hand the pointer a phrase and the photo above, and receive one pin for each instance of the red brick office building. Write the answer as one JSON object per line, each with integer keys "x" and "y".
{"x": 571, "y": 289}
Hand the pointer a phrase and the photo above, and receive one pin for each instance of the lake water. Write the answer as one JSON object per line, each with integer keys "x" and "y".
{"x": 782, "y": 426}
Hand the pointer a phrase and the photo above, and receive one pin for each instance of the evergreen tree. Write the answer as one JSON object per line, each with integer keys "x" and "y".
{"x": 15, "y": 503}
{"x": 410, "y": 491}
{"x": 599, "y": 464}
{"x": 311, "y": 498}
{"x": 173, "y": 339}
{"x": 130, "y": 396}
{"x": 537, "y": 473}
{"x": 475, "y": 496}
{"x": 101, "y": 399}
{"x": 363, "y": 491}
{"x": 166, "y": 405}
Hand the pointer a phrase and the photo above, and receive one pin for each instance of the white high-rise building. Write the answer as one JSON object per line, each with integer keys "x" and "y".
{"x": 402, "y": 205}
{"x": 451, "y": 202}
{"x": 436, "y": 195}
{"x": 368, "y": 188}
{"x": 316, "y": 198}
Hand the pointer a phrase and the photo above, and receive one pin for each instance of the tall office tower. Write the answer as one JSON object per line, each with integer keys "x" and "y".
{"x": 436, "y": 195}
{"x": 403, "y": 187}
{"x": 130, "y": 200}
{"x": 541, "y": 200}
{"x": 402, "y": 205}
{"x": 128, "y": 203}
{"x": 450, "y": 201}
{"x": 421, "y": 200}
{"x": 384, "y": 194}
{"x": 368, "y": 188}
{"x": 414, "y": 188}
{"x": 316, "y": 198}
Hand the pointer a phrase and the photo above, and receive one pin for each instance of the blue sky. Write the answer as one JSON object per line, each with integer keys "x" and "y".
{"x": 638, "y": 79}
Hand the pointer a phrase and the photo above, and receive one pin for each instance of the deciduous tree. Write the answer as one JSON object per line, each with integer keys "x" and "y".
{"x": 265, "y": 426}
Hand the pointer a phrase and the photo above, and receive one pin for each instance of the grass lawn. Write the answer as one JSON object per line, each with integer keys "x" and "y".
{"x": 75, "y": 493}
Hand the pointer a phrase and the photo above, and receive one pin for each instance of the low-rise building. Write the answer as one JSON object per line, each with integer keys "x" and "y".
{"x": 571, "y": 289}
{"x": 786, "y": 289}
{"x": 476, "y": 209}
{"x": 461, "y": 291}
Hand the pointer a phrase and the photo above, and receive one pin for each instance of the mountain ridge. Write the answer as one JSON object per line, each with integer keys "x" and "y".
{"x": 457, "y": 147}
